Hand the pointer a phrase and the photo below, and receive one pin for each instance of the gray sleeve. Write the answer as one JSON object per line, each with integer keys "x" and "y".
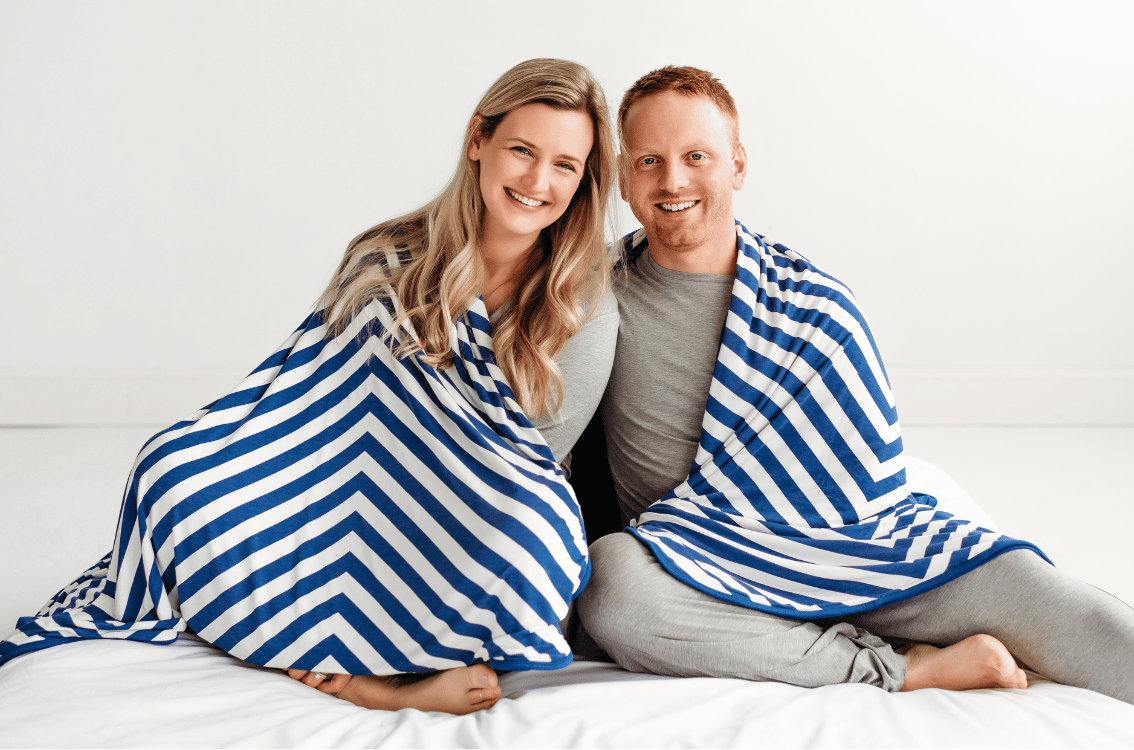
{"x": 585, "y": 364}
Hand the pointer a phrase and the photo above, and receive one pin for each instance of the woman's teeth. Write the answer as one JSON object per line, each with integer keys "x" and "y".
{"x": 525, "y": 200}
{"x": 676, "y": 206}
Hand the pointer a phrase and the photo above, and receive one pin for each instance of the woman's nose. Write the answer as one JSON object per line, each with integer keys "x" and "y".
{"x": 539, "y": 177}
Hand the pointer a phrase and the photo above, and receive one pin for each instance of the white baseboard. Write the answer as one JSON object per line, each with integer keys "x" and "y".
{"x": 153, "y": 396}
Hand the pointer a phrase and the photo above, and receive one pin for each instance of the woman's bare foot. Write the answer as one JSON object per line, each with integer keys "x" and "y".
{"x": 324, "y": 682}
{"x": 979, "y": 661}
{"x": 455, "y": 691}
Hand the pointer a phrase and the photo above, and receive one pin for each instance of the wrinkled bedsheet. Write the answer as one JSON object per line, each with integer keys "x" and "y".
{"x": 190, "y": 694}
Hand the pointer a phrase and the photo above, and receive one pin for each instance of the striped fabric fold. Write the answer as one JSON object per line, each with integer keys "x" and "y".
{"x": 796, "y": 503}
{"x": 345, "y": 511}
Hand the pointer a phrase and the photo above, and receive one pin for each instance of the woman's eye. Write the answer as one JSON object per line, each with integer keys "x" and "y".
{"x": 521, "y": 150}
{"x": 567, "y": 165}
{"x": 649, "y": 161}
{"x": 697, "y": 157}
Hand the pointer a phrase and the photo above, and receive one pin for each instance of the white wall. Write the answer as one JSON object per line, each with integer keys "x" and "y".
{"x": 177, "y": 180}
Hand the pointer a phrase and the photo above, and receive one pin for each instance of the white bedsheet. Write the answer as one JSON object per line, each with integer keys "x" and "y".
{"x": 120, "y": 694}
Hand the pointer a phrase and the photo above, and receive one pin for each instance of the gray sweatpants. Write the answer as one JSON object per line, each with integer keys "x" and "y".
{"x": 648, "y": 621}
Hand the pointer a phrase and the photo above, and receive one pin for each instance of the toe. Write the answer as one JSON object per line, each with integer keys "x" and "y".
{"x": 482, "y": 676}
{"x": 486, "y": 701}
{"x": 335, "y": 684}
{"x": 483, "y": 694}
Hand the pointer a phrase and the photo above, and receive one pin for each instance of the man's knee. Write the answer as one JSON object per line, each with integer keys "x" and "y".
{"x": 1018, "y": 564}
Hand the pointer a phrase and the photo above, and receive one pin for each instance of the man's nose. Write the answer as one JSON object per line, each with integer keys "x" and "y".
{"x": 674, "y": 178}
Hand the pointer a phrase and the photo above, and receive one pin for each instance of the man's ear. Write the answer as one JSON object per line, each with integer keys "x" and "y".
{"x": 740, "y": 166}
{"x": 622, "y": 167}
{"x": 475, "y": 142}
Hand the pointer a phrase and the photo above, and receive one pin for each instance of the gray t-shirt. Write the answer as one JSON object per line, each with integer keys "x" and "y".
{"x": 585, "y": 364}
{"x": 668, "y": 339}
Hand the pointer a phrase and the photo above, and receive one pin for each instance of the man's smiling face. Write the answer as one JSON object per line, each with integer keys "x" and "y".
{"x": 681, "y": 166}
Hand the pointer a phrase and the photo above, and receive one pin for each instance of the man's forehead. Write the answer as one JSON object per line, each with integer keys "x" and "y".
{"x": 694, "y": 119}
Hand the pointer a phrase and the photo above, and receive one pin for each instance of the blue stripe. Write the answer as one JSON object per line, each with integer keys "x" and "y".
{"x": 160, "y": 514}
{"x": 793, "y": 302}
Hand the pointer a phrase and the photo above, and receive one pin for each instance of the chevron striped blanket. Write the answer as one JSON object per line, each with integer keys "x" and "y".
{"x": 345, "y": 511}
{"x": 796, "y": 503}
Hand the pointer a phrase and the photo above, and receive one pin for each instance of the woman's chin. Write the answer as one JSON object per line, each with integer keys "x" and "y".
{"x": 517, "y": 228}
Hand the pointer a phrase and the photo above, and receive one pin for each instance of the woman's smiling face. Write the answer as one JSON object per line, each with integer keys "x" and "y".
{"x": 529, "y": 170}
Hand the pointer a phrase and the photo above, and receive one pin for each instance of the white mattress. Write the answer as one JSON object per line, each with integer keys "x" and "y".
{"x": 121, "y": 694}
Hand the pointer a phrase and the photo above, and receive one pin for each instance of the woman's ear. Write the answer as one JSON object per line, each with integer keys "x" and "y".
{"x": 475, "y": 141}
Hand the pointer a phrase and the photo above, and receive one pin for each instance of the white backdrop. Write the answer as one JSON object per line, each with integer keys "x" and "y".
{"x": 178, "y": 180}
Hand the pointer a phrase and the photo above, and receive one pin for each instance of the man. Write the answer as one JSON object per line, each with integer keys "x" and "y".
{"x": 792, "y": 546}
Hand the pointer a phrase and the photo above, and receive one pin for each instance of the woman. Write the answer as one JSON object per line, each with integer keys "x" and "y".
{"x": 373, "y": 500}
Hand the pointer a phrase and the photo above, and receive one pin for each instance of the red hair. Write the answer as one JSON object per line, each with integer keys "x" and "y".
{"x": 684, "y": 80}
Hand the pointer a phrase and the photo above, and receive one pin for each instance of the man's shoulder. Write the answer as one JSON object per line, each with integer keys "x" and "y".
{"x": 783, "y": 266}
{"x": 777, "y": 253}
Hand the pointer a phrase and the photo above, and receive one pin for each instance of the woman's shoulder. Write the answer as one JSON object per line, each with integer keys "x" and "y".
{"x": 605, "y": 305}
{"x": 600, "y": 326}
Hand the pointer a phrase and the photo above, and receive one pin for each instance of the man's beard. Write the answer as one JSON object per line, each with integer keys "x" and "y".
{"x": 679, "y": 235}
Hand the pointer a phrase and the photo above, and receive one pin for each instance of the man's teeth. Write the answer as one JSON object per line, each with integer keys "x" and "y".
{"x": 677, "y": 206}
{"x": 522, "y": 199}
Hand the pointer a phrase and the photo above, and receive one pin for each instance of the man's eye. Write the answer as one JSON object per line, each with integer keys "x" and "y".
{"x": 697, "y": 157}
{"x": 649, "y": 161}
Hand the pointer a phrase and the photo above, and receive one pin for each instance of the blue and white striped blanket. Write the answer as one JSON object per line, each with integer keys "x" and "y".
{"x": 345, "y": 511}
{"x": 797, "y": 503}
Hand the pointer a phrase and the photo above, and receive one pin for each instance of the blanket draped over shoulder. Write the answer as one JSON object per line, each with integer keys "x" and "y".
{"x": 346, "y": 511}
{"x": 796, "y": 503}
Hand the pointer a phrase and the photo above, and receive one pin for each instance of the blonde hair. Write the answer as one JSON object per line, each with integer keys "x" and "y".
{"x": 443, "y": 275}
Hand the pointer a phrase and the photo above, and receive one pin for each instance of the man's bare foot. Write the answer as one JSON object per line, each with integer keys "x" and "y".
{"x": 979, "y": 661}
{"x": 454, "y": 691}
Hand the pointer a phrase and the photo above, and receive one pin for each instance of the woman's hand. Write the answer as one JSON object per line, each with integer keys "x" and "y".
{"x": 324, "y": 682}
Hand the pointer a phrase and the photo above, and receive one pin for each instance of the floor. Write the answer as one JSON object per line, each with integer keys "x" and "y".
{"x": 1063, "y": 488}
